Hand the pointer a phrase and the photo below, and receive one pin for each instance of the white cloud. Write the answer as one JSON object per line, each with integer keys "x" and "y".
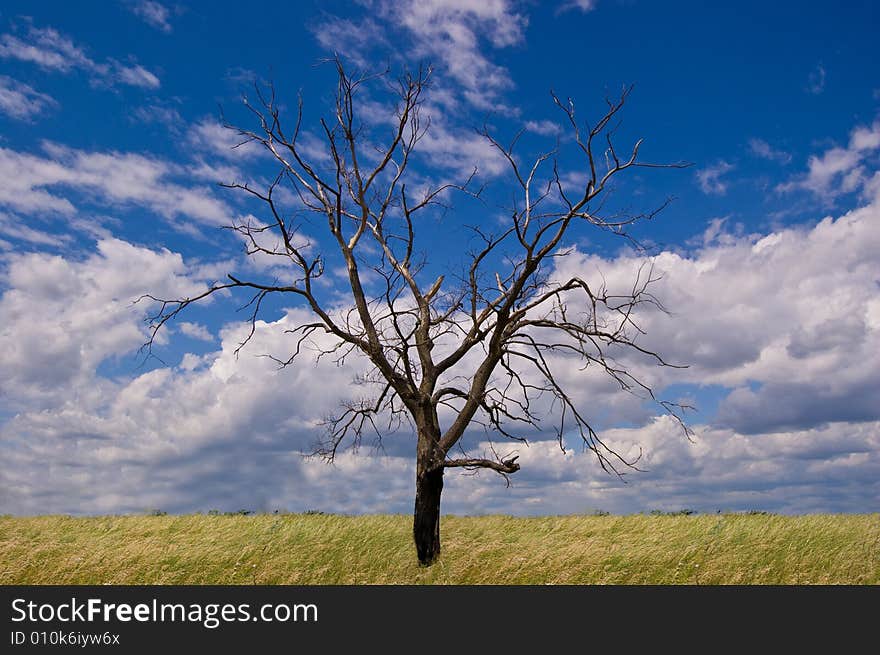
{"x": 63, "y": 317}
{"x": 871, "y": 188}
{"x": 214, "y": 172}
{"x": 209, "y": 136}
{"x": 764, "y": 150}
{"x": 449, "y": 33}
{"x": 828, "y": 469}
{"x": 118, "y": 465}
{"x": 23, "y": 176}
{"x": 13, "y": 227}
{"x": 153, "y": 13}
{"x": 458, "y": 38}
{"x": 21, "y": 101}
{"x": 118, "y": 179}
{"x": 831, "y": 166}
{"x": 460, "y": 150}
{"x": 195, "y": 330}
{"x": 544, "y": 128}
{"x": 585, "y": 6}
{"x": 864, "y": 138}
{"x": 795, "y": 312}
{"x": 148, "y": 442}
{"x": 353, "y": 38}
{"x": 710, "y": 180}
{"x": 838, "y": 170}
{"x": 49, "y": 49}
{"x": 789, "y": 322}
{"x": 136, "y": 75}
{"x": 157, "y": 113}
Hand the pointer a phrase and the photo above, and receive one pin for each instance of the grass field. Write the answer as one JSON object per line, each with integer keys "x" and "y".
{"x": 330, "y": 549}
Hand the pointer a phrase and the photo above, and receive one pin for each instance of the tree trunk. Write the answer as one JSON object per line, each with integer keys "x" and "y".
{"x": 426, "y": 518}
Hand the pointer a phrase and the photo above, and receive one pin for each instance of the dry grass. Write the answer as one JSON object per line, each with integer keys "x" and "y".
{"x": 328, "y": 549}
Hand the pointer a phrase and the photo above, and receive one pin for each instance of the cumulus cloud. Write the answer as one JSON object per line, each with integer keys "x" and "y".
{"x": 792, "y": 405}
{"x": 21, "y": 101}
{"x": 178, "y": 436}
{"x": 788, "y": 322}
{"x": 118, "y": 179}
{"x": 796, "y": 312}
{"x": 63, "y": 317}
{"x": 50, "y": 50}
{"x": 195, "y": 330}
{"x": 833, "y": 468}
{"x": 839, "y": 169}
{"x": 461, "y": 151}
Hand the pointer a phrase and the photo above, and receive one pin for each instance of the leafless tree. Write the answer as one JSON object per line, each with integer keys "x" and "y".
{"x": 495, "y": 328}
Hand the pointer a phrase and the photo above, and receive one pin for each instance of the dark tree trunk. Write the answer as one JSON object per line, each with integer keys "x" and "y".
{"x": 426, "y": 518}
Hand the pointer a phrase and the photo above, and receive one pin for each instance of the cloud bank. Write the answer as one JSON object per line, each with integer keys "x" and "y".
{"x": 787, "y": 324}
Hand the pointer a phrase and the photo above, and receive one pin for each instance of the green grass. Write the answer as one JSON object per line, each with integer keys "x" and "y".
{"x": 330, "y": 549}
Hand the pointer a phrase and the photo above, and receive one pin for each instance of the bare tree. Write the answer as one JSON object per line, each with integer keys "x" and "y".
{"x": 495, "y": 328}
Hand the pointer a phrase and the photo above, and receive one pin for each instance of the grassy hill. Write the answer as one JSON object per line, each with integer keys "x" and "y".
{"x": 329, "y": 549}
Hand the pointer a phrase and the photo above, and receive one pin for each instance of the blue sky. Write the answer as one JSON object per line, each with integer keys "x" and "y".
{"x": 110, "y": 154}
